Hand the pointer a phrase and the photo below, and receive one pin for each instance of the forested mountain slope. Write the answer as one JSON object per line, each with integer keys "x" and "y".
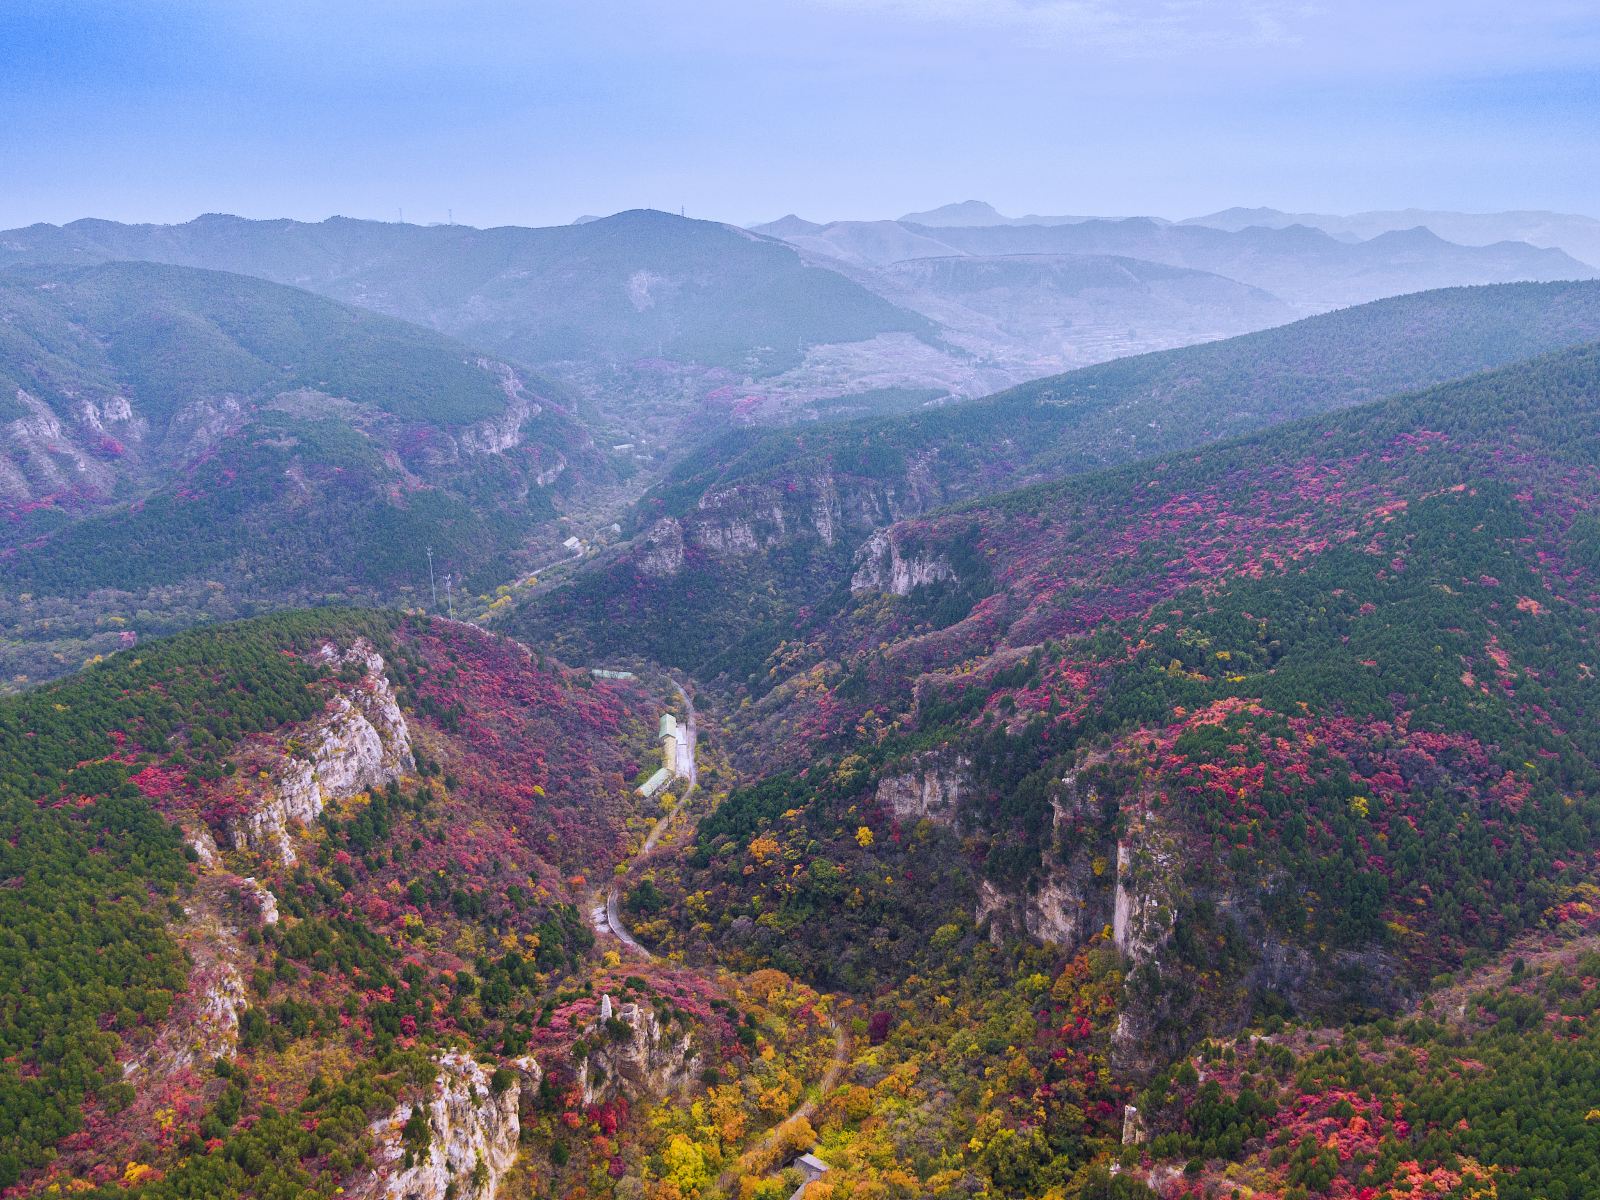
{"x": 759, "y": 524}
{"x": 193, "y": 441}
{"x": 297, "y": 907}
{"x": 1289, "y": 727}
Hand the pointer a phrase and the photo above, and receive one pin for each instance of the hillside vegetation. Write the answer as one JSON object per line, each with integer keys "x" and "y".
{"x": 179, "y": 443}
{"x": 1286, "y": 728}
{"x": 769, "y": 521}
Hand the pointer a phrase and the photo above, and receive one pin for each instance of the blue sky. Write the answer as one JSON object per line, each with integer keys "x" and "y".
{"x": 536, "y": 111}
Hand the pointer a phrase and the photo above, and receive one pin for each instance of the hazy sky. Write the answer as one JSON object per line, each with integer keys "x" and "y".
{"x": 536, "y": 111}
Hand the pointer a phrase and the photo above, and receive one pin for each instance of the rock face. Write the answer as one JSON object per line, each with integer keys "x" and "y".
{"x": 1149, "y": 895}
{"x": 633, "y": 1054}
{"x": 820, "y": 506}
{"x": 932, "y": 788}
{"x": 202, "y": 424}
{"x": 498, "y": 434}
{"x": 1116, "y": 860}
{"x": 882, "y": 566}
{"x": 1073, "y": 897}
{"x": 471, "y": 1139}
{"x": 359, "y": 742}
{"x": 203, "y": 1025}
{"x": 261, "y": 899}
{"x": 662, "y": 555}
{"x": 39, "y": 456}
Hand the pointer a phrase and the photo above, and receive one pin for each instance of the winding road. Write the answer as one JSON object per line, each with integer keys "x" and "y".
{"x": 606, "y": 912}
{"x": 606, "y": 915}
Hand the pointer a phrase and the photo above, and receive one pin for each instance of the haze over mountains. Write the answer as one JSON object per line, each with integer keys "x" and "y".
{"x": 1579, "y": 236}
{"x": 704, "y": 321}
{"x": 1576, "y": 235}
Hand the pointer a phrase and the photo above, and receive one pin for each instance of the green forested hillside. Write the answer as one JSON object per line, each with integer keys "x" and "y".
{"x": 1149, "y": 404}
{"x": 181, "y": 444}
{"x": 165, "y": 337}
{"x": 861, "y": 474}
{"x": 1291, "y": 728}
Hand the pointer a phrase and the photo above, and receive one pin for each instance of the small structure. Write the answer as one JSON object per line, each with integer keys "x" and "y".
{"x": 668, "y": 737}
{"x": 812, "y": 1168}
{"x": 606, "y": 1011}
{"x": 573, "y": 544}
{"x": 655, "y": 783}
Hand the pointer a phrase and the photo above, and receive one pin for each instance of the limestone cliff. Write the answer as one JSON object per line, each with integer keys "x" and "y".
{"x": 821, "y": 505}
{"x": 931, "y": 786}
{"x": 203, "y": 1025}
{"x": 40, "y": 456}
{"x": 662, "y": 549}
{"x": 1071, "y": 898}
{"x": 631, "y": 1052}
{"x": 470, "y": 1140}
{"x": 1150, "y": 893}
{"x": 360, "y": 742}
{"x": 882, "y": 565}
{"x": 500, "y": 433}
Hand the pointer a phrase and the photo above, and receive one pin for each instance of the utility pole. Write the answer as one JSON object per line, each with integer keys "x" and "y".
{"x": 432, "y": 587}
{"x": 449, "y": 596}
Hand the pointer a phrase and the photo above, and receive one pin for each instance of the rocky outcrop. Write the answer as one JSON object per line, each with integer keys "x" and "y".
{"x": 633, "y": 1053}
{"x": 469, "y": 1143}
{"x": 662, "y": 555}
{"x": 38, "y": 456}
{"x": 882, "y": 566}
{"x": 260, "y": 899}
{"x": 201, "y": 424}
{"x": 360, "y": 742}
{"x": 203, "y": 1025}
{"x": 1072, "y": 897}
{"x": 503, "y": 432}
{"x": 931, "y": 787}
{"x": 1134, "y": 1132}
{"x": 1147, "y": 895}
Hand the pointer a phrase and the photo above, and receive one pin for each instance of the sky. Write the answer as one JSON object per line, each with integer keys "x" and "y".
{"x": 537, "y": 111}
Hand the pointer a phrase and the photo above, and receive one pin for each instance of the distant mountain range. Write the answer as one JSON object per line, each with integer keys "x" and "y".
{"x": 666, "y": 328}
{"x": 977, "y": 212}
{"x": 1306, "y": 268}
{"x": 1050, "y": 311}
{"x": 1577, "y": 235}
{"x": 636, "y": 285}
